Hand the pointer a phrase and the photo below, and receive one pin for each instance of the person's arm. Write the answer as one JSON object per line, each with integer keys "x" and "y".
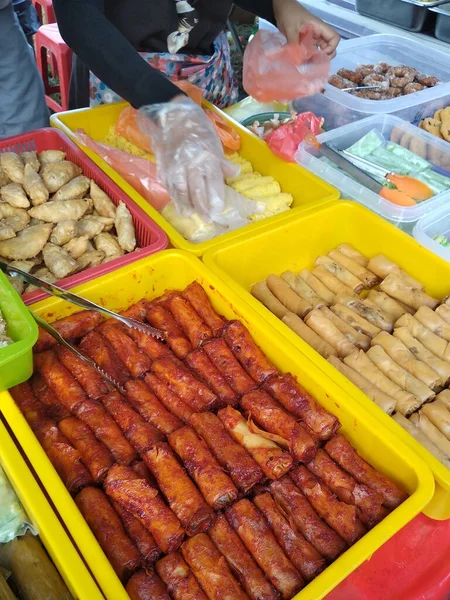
{"x": 109, "y": 55}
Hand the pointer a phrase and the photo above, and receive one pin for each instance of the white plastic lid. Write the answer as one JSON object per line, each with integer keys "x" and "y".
{"x": 437, "y": 222}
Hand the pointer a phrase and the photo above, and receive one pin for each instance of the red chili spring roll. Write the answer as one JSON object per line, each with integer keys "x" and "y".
{"x": 138, "y": 534}
{"x": 65, "y": 459}
{"x": 179, "y": 579}
{"x": 299, "y": 511}
{"x": 150, "y": 408}
{"x": 149, "y": 345}
{"x": 269, "y": 414}
{"x": 146, "y": 585}
{"x": 211, "y": 569}
{"x": 259, "y": 540}
{"x": 107, "y": 528}
{"x": 296, "y": 400}
{"x": 135, "y": 361}
{"x": 144, "y": 502}
{"x": 341, "y": 517}
{"x": 66, "y": 388}
{"x": 270, "y": 457}
{"x": 185, "y": 385}
{"x": 143, "y": 471}
{"x": 73, "y": 327}
{"x": 369, "y": 503}
{"x": 241, "y": 563}
{"x": 236, "y": 461}
{"x": 166, "y": 396}
{"x": 300, "y": 552}
{"x": 97, "y": 348}
{"x": 106, "y": 430}
{"x": 247, "y": 352}
{"x": 53, "y": 407}
{"x": 138, "y": 432}
{"x": 183, "y": 497}
{"x": 200, "y": 301}
{"x": 199, "y": 362}
{"x": 217, "y": 488}
{"x": 227, "y": 365}
{"x": 137, "y": 311}
{"x": 162, "y": 319}
{"x": 341, "y": 451}
{"x": 94, "y": 454}
{"x": 191, "y": 323}
{"x": 90, "y": 380}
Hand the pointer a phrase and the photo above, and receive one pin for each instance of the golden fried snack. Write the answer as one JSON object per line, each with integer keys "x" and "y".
{"x": 262, "y": 293}
{"x": 102, "y": 202}
{"x": 58, "y": 261}
{"x": 31, "y": 158}
{"x": 63, "y": 232}
{"x": 124, "y": 225}
{"x": 76, "y": 188}
{"x": 55, "y": 175}
{"x": 14, "y": 194}
{"x": 308, "y": 335}
{"x": 76, "y": 247}
{"x": 47, "y": 157}
{"x": 13, "y": 166}
{"x": 34, "y": 186}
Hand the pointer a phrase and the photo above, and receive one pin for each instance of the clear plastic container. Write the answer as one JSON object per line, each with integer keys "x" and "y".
{"x": 435, "y": 223}
{"x": 344, "y": 137}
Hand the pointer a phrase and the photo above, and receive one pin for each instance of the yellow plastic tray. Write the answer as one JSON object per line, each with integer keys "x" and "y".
{"x": 175, "y": 269}
{"x": 295, "y": 245}
{"x": 306, "y": 188}
{"x": 41, "y": 515}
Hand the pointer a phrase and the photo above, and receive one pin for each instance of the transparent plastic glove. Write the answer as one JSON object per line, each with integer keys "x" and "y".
{"x": 189, "y": 155}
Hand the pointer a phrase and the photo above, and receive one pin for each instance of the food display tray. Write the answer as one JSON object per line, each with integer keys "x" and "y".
{"x": 442, "y": 28}
{"x": 175, "y": 269}
{"x": 435, "y": 223}
{"x": 299, "y": 242}
{"x": 406, "y": 14}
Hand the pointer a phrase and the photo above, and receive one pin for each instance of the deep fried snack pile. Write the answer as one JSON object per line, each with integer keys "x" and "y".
{"x": 213, "y": 473}
{"x": 393, "y": 81}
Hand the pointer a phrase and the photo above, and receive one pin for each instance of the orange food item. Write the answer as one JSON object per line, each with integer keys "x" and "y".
{"x": 96, "y": 347}
{"x": 397, "y": 197}
{"x": 89, "y": 379}
{"x": 53, "y": 407}
{"x": 228, "y": 366}
{"x": 200, "y": 301}
{"x": 229, "y": 137}
{"x": 166, "y": 396}
{"x": 178, "y": 578}
{"x": 191, "y": 323}
{"x": 414, "y": 188}
{"x": 145, "y": 585}
{"x": 127, "y": 351}
{"x": 150, "y": 408}
{"x": 162, "y": 319}
{"x": 199, "y": 362}
{"x": 73, "y": 327}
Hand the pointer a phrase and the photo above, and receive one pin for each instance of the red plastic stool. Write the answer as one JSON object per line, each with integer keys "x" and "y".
{"x": 48, "y": 39}
{"x": 45, "y": 11}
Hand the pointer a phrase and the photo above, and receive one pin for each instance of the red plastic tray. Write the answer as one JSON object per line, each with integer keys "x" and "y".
{"x": 150, "y": 237}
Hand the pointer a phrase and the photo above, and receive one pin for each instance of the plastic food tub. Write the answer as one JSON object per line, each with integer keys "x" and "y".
{"x": 442, "y": 29}
{"x": 408, "y": 15}
{"x": 16, "y": 360}
{"x": 42, "y": 517}
{"x": 306, "y": 188}
{"x": 435, "y": 223}
{"x": 299, "y": 242}
{"x": 344, "y": 137}
{"x": 150, "y": 238}
{"x": 174, "y": 270}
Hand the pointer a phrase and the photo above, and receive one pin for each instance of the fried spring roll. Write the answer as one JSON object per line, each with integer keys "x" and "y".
{"x": 270, "y": 457}
{"x": 287, "y": 296}
{"x": 345, "y": 276}
{"x": 433, "y": 321}
{"x": 331, "y": 281}
{"x": 368, "y": 278}
{"x": 382, "y": 266}
{"x": 95, "y": 456}
{"x": 217, "y": 488}
{"x": 137, "y": 311}
{"x": 301, "y": 288}
{"x": 73, "y": 327}
{"x": 423, "y": 423}
{"x": 350, "y": 252}
{"x": 411, "y": 296}
{"x": 296, "y": 400}
{"x": 355, "y": 337}
{"x": 269, "y": 414}
{"x": 262, "y": 293}
{"x": 107, "y": 528}
{"x": 444, "y": 312}
{"x": 259, "y": 540}
{"x": 202, "y": 366}
{"x": 386, "y": 304}
{"x": 138, "y": 534}
{"x": 418, "y": 435}
{"x": 185, "y": 385}
{"x": 317, "y": 286}
{"x": 299, "y": 511}
{"x": 190, "y": 322}
{"x": 341, "y": 517}
{"x": 240, "y": 561}
{"x": 444, "y": 397}
{"x": 439, "y": 415}
{"x": 247, "y": 352}
{"x": 369, "y": 311}
{"x": 53, "y": 407}
{"x": 96, "y": 347}
{"x": 138, "y": 432}
{"x": 90, "y": 380}
{"x": 320, "y": 324}
{"x": 183, "y": 497}
{"x": 308, "y": 335}
{"x": 200, "y": 301}
{"x": 179, "y": 579}
{"x": 106, "y": 430}
{"x": 232, "y": 457}
{"x": 210, "y": 569}
{"x": 223, "y": 359}
{"x": 171, "y": 401}
{"x": 300, "y": 552}
{"x": 150, "y": 408}
{"x": 128, "y": 352}
{"x": 345, "y": 456}
{"x": 149, "y": 345}
{"x": 369, "y": 503}
{"x": 145, "y": 585}
{"x": 441, "y": 367}
{"x": 144, "y": 502}
{"x": 351, "y": 317}
{"x": 435, "y": 344}
{"x": 162, "y": 319}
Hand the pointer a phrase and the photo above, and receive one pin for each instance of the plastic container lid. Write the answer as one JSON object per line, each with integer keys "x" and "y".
{"x": 437, "y": 222}
{"x": 344, "y": 137}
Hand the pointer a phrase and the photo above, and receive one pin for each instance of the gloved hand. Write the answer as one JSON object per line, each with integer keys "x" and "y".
{"x": 189, "y": 155}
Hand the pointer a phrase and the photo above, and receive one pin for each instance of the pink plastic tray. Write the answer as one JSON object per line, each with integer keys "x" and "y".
{"x": 150, "y": 237}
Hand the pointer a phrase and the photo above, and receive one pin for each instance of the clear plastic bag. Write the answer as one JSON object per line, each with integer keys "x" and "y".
{"x": 278, "y": 71}
{"x": 13, "y": 520}
{"x": 284, "y": 141}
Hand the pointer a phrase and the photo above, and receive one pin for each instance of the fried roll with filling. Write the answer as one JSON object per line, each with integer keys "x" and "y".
{"x": 190, "y": 322}
{"x": 179, "y": 579}
{"x": 149, "y": 345}
{"x": 227, "y": 365}
{"x": 97, "y": 348}
{"x": 145, "y": 585}
{"x": 126, "y": 349}
{"x": 217, "y": 488}
{"x": 53, "y": 407}
{"x": 150, "y": 408}
{"x": 162, "y": 319}
{"x": 166, "y": 396}
{"x": 71, "y": 328}
{"x": 200, "y": 301}
{"x": 199, "y": 362}
{"x": 90, "y": 380}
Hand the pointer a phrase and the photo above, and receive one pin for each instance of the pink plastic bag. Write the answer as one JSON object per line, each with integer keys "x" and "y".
{"x": 285, "y": 140}
{"x": 278, "y": 71}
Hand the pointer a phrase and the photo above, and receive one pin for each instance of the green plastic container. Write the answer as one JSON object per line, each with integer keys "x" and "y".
{"x": 16, "y": 360}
